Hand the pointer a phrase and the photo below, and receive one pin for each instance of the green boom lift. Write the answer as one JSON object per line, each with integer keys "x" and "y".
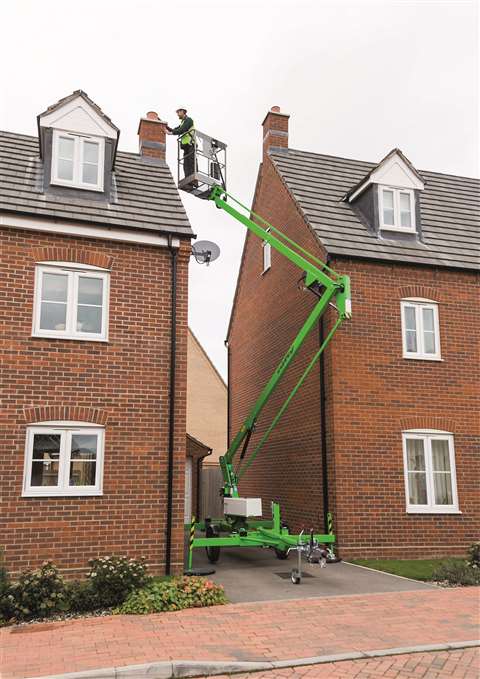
{"x": 240, "y": 525}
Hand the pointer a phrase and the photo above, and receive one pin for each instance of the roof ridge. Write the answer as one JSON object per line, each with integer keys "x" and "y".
{"x": 282, "y": 154}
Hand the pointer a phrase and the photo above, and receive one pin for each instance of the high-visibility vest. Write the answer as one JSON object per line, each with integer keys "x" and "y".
{"x": 188, "y": 137}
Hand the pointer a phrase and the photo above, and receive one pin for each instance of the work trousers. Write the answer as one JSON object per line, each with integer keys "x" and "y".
{"x": 188, "y": 159}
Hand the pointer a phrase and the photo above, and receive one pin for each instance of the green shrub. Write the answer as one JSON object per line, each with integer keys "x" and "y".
{"x": 457, "y": 573}
{"x": 112, "y": 578}
{"x": 173, "y": 595}
{"x": 5, "y": 605}
{"x": 38, "y": 593}
{"x": 474, "y": 555}
{"x": 81, "y": 597}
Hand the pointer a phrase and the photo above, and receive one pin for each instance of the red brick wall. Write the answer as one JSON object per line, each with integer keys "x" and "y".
{"x": 376, "y": 394}
{"x": 123, "y": 382}
{"x": 372, "y": 394}
{"x": 269, "y": 312}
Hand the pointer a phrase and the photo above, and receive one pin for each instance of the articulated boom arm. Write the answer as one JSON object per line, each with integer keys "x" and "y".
{"x": 326, "y": 284}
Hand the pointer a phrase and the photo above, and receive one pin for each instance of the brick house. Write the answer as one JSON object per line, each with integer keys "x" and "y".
{"x": 385, "y": 433}
{"x": 95, "y": 246}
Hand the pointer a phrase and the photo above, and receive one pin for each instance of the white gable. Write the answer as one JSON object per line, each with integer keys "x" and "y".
{"x": 78, "y": 116}
{"x": 392, "y": 171}
{"x": 395, "y": 172}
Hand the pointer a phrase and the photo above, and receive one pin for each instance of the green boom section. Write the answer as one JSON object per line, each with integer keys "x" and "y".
{"x": 330, "y": 288}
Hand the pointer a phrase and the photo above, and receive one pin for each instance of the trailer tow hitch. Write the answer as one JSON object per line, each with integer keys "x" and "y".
{"x": 314, "y": 553}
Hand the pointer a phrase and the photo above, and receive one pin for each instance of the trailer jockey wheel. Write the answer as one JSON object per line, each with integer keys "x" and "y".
{"x": 213, "y": 553}
{"x": 295, "y": 576}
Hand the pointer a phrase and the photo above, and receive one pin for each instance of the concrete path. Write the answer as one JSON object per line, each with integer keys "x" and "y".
{"x": 259, "y": 632}
{"x": 253, "y": 575}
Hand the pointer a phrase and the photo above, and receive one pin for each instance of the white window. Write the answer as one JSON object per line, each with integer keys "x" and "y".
{"x": 420, "y": 329}
{"x": 78, "y": 161}
{"x": 267, "y": 254}
{"x": 71, "y": 303}
{"x": 63, "y": 459}
{"x": 430, "y": 480}
{"x": 397, "y": 209}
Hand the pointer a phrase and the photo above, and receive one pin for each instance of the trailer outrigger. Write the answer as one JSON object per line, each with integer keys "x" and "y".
{"x": 241, "y": 526}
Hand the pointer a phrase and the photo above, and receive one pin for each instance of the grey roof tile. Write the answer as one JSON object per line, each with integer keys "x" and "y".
{"x": 144, "y": 195}
{"x": 449, "y": 208}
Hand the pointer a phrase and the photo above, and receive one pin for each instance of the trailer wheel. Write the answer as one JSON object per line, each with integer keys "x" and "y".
{"x": 295, "y": 577}
{"x": 281, "y": 554}
{"x": 213, "y": 553}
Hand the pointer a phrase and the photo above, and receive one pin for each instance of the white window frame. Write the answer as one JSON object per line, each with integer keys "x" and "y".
{"x": 66, "y": 430}
{"x": 267, "y": 256}
{"x": 397, "y": 190}
{"x": 79, "y": 141}
{"x": 427, "y": 435}
{"x": 419, "y": 304}
{"x": 73, "y": 272}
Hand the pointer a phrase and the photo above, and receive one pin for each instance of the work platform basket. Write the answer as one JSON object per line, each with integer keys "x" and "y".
{"x": 203, "y": 166}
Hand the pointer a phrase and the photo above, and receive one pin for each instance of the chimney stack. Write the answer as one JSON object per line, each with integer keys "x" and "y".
{"x": 151, "y": 136}
{"x": 275, "y": 130}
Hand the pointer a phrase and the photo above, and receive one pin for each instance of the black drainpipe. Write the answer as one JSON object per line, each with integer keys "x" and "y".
{"x": 323, "y": 424}
{"x": 228, "y": 393}
{"x": 171, "y": 407}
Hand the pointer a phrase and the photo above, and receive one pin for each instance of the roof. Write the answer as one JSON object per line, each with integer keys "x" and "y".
{"x": 448, "y": 204}
{"x": 144, "y": 195}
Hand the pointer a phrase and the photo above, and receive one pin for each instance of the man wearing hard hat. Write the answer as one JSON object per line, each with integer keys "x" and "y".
{"x": 186, "y": 132}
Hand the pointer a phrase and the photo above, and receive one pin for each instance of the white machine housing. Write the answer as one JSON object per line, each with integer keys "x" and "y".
{"x": 243, "y": 506}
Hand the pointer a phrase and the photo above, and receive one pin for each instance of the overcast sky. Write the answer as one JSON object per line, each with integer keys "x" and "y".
{"x": 358, "y": 78}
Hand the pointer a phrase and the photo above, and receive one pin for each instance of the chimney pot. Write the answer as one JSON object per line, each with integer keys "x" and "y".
{"x": 151, "y": 136}
{"x": 275, "y": 130}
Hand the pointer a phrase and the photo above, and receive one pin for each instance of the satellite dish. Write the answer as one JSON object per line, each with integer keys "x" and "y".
{"x": 205, "y": 251}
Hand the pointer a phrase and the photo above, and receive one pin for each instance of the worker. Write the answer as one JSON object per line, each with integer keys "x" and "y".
{"x": 186, "y": 133}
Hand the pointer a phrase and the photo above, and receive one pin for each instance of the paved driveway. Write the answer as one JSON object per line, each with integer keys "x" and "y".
{"x": 251, "y": 574}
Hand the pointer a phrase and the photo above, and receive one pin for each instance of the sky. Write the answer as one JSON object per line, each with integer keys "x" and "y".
{"x": 357, "y": 78}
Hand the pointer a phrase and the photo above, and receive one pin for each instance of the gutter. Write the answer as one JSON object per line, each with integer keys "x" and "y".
{"x": 171, "y": 406}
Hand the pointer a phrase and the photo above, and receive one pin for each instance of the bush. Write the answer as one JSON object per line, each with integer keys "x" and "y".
{"x": 39, "y": 593}
{"x": 81, "y": 597}
{"x": 5, "y": 605}
{"x": 474, "y": 555}
{"x": 112, "y": 578}
{"x": 173, "y": 595}
{"x": 457, "y": 573}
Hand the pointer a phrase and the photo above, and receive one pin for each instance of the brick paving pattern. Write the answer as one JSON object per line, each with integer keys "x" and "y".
{"x": 464, "y": 664}
{"x": 243, "y": 632}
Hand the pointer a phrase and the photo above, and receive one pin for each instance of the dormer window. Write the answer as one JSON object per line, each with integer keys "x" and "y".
{"x": 397, "y": 212}
{"x": 78, "y": 160}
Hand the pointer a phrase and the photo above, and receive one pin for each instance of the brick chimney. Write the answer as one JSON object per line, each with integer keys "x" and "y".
{"x": 275, "y": 130}
{"x": 151, "y": 136}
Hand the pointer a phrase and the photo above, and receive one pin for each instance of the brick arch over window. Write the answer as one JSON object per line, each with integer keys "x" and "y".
{"x": 71, "y": 413}
{"x": 419, "y": 291}
{"x": 427, "y": 422}
{"x": 77, "y": 255}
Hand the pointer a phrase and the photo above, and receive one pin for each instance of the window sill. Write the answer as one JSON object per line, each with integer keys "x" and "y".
{"x": 434, "y": 511}
{"x": 63, "y": 493}
{"x": 70, "y": 337}
{"x": 423, "y": 358}
{"x": 80, "y": 187}
{"x": 398, "y": 229}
